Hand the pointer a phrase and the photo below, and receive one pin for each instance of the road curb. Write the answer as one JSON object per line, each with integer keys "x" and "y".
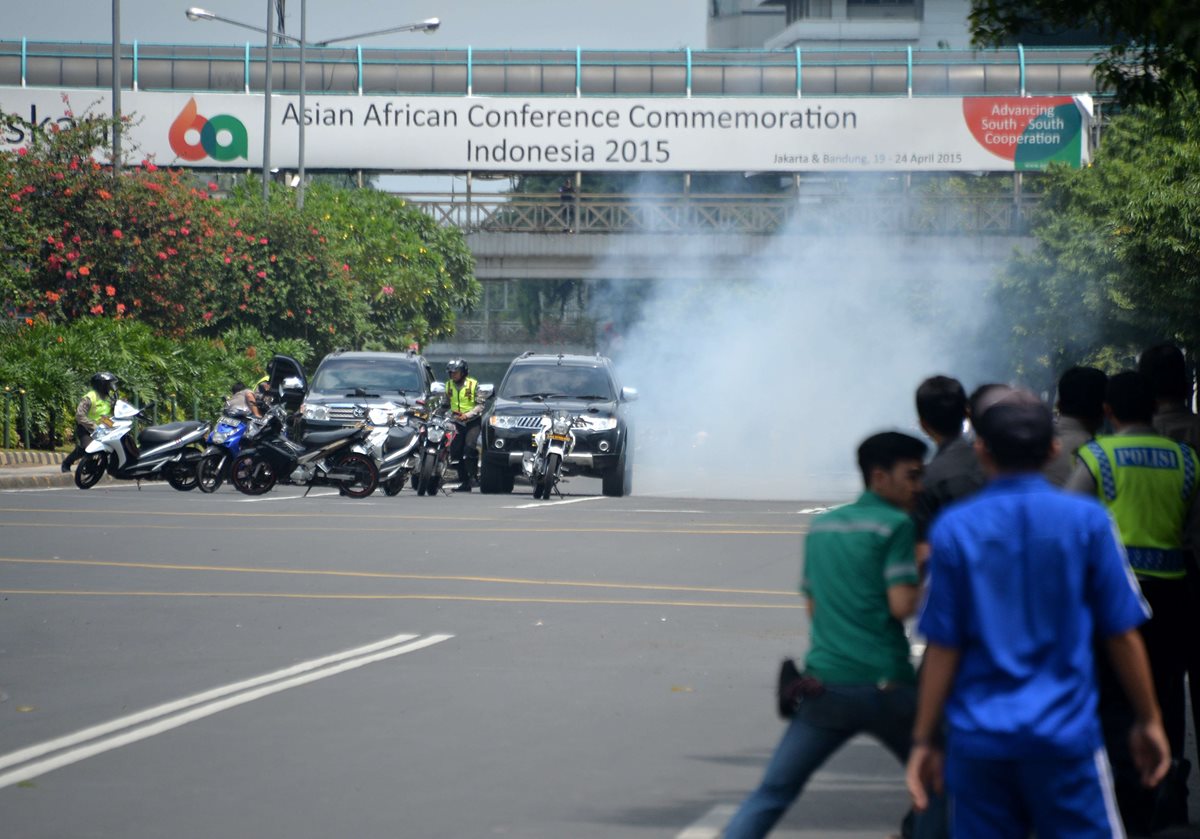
{"x": 28, "y": 457}
{"x": 14, "y": 479}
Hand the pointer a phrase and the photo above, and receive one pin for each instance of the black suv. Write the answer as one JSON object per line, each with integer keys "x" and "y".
{"x": 582, "y": 384}
{"x": 346, "y": 384}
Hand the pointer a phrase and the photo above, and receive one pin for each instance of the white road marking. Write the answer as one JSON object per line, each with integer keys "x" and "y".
{"x": 554, "y": 503}
{"x": 811, "y": 510}
{"x": 694, "y": 512}
{"x": 287, "y": 497}
{"x": 280, "y": 680}
{"x": 711, "y": 824}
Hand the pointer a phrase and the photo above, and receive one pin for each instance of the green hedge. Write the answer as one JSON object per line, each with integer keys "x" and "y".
{"x": 50, "y": 365}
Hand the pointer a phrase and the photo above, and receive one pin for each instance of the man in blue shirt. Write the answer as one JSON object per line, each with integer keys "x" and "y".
{"x": 1021, "y": 578}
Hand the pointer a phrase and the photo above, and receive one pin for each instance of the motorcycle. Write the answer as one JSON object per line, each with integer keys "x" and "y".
{"x": 552, "y": 442}
{"x": 224, "y": 443}
{"x": 160, "y": 451}
{"x": 436, "y": 435}
{"x": 321, "y": 458}
{"x": 392, "y": 444}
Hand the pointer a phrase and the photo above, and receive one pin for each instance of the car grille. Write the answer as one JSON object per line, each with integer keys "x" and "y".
{"x": 528, "y": 422}
{"x": 346, "y": 414}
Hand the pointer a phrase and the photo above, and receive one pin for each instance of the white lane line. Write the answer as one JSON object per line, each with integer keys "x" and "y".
{"x": 91, "y": 733}
{"x": 669, "y": 511}
{"x": 710, "y": 825}
{"x": 555, "y": 503}
{"x": 41, "y": 767}
{"x": 287, "y": 497}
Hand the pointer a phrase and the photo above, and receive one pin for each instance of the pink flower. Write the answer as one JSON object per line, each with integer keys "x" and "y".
{"x": 21, "y": 152}
{"x": 208, "y": 316}
{"x": 212, "y": 186}
{"x": 110, "y": 291}
{"x": 228, "y": 260}
{"x": 262, "y": 275}
{"x": 84, "y": 271}
{"x": 345, "y": 267}
{"x": 120, "y": 308}
{"x": 97, "y": 309}
{"x": 262, "y": 241}
{"x": 117, "y": 234}
{"x": 388, "y": 290}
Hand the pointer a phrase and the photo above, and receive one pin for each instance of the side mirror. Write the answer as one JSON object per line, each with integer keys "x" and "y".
{"x": 291, "y": 392}
{"x": 437, "y": 388}
{"x": 487, "y": 391}
{"x": 629, "y": 394}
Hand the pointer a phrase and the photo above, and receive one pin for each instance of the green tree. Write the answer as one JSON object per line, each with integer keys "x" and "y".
{"x": 1156, "y": 43}
{"x": 409, "y": 275}
{"x": 1117, "y": 261}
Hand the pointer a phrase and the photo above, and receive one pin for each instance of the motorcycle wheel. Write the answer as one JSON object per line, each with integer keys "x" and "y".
{"x": 182, "y": 478}
{"x": 90, "y": 470}
{"x": 550, "y": 478}
{"x": 251, "y": 475}
{"x": 425, "y": 482}
{"x": 366, "y": 476}
{"x": 210, "y": 473}
{"x": 392, "y": 486}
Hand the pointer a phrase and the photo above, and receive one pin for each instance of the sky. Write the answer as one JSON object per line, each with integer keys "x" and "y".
{"x": 525, "y": 24}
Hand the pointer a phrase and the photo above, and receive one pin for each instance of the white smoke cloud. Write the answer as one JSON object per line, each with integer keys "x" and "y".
{"x": 763, "y": 385}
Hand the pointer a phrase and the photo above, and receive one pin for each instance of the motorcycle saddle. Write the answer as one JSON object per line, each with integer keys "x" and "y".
{"x": 324, "y": 438}
{"x": 156, "y": 435}
{"x": 398, "y": 438}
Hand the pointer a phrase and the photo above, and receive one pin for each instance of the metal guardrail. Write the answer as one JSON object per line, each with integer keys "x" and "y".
{"x": 1006, "y": 71}
{"x": 733, "y": 214}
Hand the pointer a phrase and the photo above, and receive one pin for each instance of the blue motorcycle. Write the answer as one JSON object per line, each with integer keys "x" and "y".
{"x": 224, "y": 442}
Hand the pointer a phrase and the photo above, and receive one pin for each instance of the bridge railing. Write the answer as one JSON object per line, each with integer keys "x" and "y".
{"x": 734, "y": 214}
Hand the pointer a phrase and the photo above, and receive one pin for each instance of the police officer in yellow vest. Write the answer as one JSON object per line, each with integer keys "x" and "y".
{"x": 466, "y": 406}
{"x": 95, "y": 404}
{"x": 1148, "y": 483}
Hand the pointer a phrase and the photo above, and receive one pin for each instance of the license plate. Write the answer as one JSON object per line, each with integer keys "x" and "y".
{"x": 561, "y": 438}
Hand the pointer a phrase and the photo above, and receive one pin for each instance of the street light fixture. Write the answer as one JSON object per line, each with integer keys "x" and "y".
{"x": 428, "y": 26}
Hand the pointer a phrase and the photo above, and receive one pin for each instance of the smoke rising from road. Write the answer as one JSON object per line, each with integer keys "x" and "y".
{"x": 762, "y": 385}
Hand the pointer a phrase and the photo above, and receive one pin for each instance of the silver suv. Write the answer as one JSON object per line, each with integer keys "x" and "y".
{"x": 347, "y": 384}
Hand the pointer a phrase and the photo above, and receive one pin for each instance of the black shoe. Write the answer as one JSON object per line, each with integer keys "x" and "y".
{"x": 463, "y": 487}
{"x": 66, "y": 467}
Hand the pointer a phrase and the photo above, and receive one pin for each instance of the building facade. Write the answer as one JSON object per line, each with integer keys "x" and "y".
{"x": 838, "y": 24}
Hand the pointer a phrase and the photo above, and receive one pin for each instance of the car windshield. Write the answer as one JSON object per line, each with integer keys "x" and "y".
{"x": 553, "y": 380}
{"x": 343, "y": 376}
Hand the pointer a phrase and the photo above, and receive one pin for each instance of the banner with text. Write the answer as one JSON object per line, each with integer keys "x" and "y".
{"x": 513, "y": 134}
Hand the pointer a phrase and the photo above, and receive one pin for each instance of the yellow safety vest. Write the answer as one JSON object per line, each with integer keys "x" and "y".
{"x": 100, "y": 406}
{"x": 1147, "y": 482}
{"x": 462, "y": 400}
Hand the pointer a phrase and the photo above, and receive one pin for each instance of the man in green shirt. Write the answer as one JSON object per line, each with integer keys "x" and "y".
{"x": 860, "y": 580}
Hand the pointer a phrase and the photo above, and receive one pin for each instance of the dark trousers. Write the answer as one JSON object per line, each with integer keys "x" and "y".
{"x": 462, "y": 449}
{"x": 1169, "y": 641}
{"x": 82, "y": 438}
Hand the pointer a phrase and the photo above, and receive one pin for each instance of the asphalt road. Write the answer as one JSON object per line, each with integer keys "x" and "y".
{"x": 467, "y": 666}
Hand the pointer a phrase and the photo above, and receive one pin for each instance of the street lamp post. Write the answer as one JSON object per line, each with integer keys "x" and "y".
{"x": 428, "y": 26}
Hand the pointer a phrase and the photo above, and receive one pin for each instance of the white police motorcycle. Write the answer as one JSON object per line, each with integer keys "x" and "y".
{"x": 169, "y": 451}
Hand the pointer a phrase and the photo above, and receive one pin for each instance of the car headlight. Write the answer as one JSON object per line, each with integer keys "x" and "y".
{"x": 315, "y": 412}
{"x": 502, "y": 421}
{"x": 601, "y": 423}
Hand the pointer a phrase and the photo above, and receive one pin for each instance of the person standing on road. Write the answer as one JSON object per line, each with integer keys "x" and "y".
{"x": 954, "y": 471}
{"x": 1022, "y": 577}
{"x": 1080, "y": 415}
{"x": 860, "y": 581}
{"x": 466, "y": 407}
{"x": 95, "y": 404}
{"x": 1148, "y": 484}
{"x": 1166, "y": 368}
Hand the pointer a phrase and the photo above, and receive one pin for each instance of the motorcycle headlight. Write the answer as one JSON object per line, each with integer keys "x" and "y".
{"x": 315, "y": 412}
{"x": 219, "y": 436}
{"x": 561, "y": 425}
{"x": 436, "y": 433}
{"x": 502, "y": 421}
